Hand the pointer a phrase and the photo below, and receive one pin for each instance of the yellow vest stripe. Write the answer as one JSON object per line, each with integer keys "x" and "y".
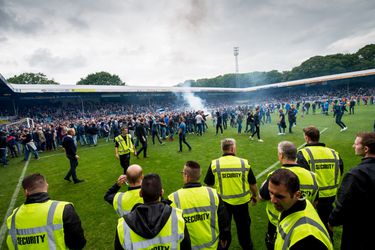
{"x": 301, "y": 221}
{"x": 49, "y": 228}
{"x": 174, "y": 238}
{"x": 211, "y": 209}
{"x": 242, "y": 169}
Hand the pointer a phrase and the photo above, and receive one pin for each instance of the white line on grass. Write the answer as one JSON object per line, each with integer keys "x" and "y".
{"x": 12, "y": 202}
{"x": 276, "y": 163}
{"x": 17, "y": 190}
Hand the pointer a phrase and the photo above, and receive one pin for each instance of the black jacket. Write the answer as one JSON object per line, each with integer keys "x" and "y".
{"x": 355, "y": 206}
{"x": 69, "y": 146}
{"x": 73, "y": 232}
{"x": 147, "y": 220}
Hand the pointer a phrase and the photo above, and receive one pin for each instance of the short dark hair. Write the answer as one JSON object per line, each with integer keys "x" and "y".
{"x": 368, "y": 140}
{"x": 285, "y": 177}
{"x": 151, "y": 187}
{"x": 312, "y": 132}
{"x": 288, "y": 150}
{"x": 33, "y": 182}
{"x": 193, "y": 170}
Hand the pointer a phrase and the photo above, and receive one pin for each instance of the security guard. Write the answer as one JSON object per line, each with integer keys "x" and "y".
{"x": 154, "y": 224}
{"x": 328, "y": 167}
{"x": 234, "y": 179}
{"x": 287, "y": 152}
{"x": 124, "y": 202}
{"x": 123, "y": 147}
{"x": 299, "y": 224}
{"x": 41, "y": 223}
{"x": 203, "y": 210}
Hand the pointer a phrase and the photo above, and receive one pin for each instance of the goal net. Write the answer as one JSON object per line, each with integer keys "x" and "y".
{"x": 21, "y": 124}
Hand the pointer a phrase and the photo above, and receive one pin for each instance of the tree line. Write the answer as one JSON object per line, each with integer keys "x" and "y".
{"x": 315, "y": 66}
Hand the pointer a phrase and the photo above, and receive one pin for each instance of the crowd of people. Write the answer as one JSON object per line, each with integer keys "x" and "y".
{"x": 147, "y": 122}
{"x": 300, "y": 195}
{"x": 300, "y": 198}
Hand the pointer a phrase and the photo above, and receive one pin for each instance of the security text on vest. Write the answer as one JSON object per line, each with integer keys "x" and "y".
{"x": 196, "y": 217}
{"x": 31, "y": 239}
{"x": 231, "y": 175}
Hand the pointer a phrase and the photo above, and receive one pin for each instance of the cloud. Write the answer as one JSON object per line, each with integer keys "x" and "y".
{"x": 43, "y": 58}
{"x": 13, "y": 21}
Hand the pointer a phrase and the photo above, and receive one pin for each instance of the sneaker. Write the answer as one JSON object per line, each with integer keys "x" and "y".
{"x": 67, "y": 179}
{"x": 280, "y": 134}
{"x": 78, "y": 181}
{"x": 343, "y": 129}
{"x": 251, "y": 138}
{"x": 260, "y": 140}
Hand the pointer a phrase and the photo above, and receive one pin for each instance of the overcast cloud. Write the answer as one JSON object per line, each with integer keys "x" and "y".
{"x": 165, "y": 42}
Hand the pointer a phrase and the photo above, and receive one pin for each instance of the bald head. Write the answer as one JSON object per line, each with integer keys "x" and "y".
{"x": 134, "y": 174}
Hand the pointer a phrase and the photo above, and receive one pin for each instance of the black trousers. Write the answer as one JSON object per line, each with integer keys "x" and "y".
{"x": 72, "y": 171}
{"x": 257, "y": 131}
{"x": 143, "y": 148}
{"x": 125, "y": 161}
{"x": 217, "y": 128}
{"x": 242, "y": 219}
{"x": 182, "y": 139}
{"x": 324, "y": 209}
{"x": 339, "y": 122}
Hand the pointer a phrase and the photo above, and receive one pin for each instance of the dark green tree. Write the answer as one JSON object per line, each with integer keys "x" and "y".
{"x": 31, "y": 78}
{"x": 101, "y": 78}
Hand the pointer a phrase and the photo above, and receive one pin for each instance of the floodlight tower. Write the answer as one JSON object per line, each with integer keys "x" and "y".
{"x": 235, "y": 53}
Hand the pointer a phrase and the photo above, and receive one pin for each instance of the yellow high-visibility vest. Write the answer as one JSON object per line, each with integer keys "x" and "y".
{"x": 168, "y": 238}
{"x": 231, "y": 179}
{"x": 199, "y": 208}
{"x": 124, "y": 202}
{"x": 300, "y": 225}
{"x": 324, "y": 162}
{"x": 308, "y": 186}
{"x": 125, "y": 147}
{"x": 37, "y": 226}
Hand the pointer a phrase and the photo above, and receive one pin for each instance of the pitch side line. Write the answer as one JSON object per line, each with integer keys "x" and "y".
{"x": 276, "y": 163}
{"x": 13, "y": 201}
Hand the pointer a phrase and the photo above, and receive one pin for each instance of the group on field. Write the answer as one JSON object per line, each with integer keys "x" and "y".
{"x": 300, "y": 200}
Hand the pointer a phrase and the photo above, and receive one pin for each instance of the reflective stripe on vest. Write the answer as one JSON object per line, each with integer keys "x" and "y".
{"x": 313, "y": 187}
{"x": 335, "y": 160}
{"x": 129, "y": 198}
{"x": 299, "y": 225}
{"x": 242, "y": 169}
{"x": 120, "y": 211}
{"x": 212, "y": 209}
{"x": 125, "y": 147}
{"x": 174, "y": 238}
{"x": 49, "y": 228}
{"x": 301, "y": 221}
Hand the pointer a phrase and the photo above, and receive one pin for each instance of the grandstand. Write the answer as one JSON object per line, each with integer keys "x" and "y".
{"x": 13, "y": 96}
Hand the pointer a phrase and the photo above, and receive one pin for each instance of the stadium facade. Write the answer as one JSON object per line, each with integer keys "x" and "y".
{"x": 13, "y": 96}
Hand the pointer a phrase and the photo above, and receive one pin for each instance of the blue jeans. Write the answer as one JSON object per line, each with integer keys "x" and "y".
{"x": 3, "y": 152}
{"x": 27, "y": 152}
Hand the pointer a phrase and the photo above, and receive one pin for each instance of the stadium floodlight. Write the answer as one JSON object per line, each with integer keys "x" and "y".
{"x": 236, "y": 53}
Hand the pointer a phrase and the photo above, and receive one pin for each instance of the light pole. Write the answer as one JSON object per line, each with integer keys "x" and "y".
{"x": 235, "y": 53}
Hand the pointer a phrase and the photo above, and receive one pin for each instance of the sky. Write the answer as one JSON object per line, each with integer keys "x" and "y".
{"x": 165, "y": 42}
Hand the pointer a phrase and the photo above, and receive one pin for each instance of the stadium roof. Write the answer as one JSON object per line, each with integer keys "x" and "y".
{"x": 42, "y": 88}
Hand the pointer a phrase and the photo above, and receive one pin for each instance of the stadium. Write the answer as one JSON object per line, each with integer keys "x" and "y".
{"x": 48, "y": 108}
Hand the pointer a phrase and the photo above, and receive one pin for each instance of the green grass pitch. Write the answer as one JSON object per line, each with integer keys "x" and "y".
{"x": 99, "y": 167}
